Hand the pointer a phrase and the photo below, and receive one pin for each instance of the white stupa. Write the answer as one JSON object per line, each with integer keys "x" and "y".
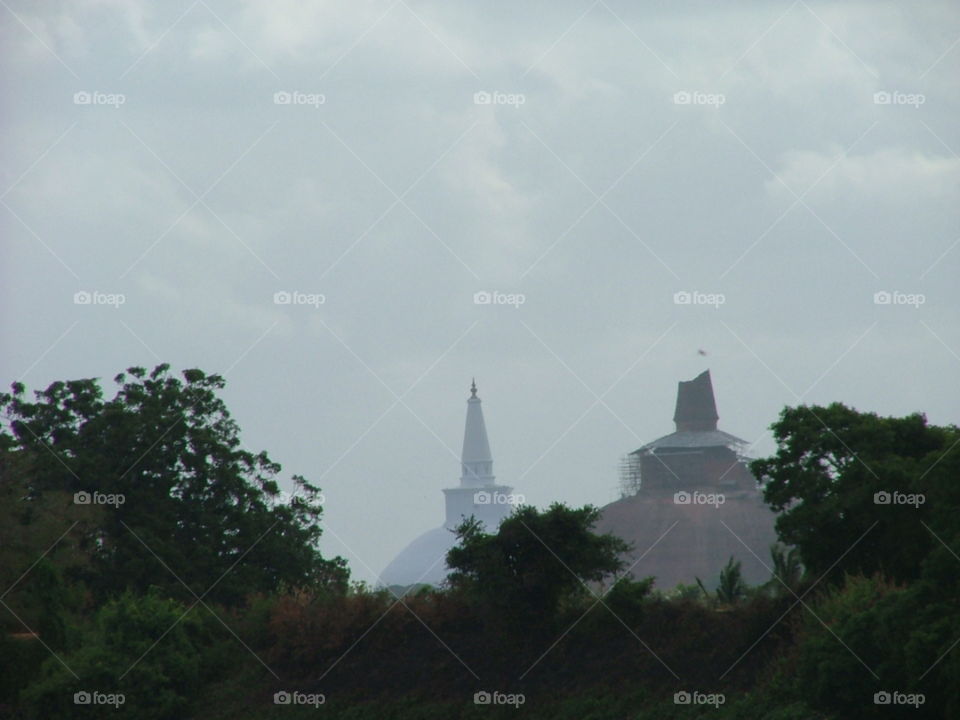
{"x": 424, "y": 559}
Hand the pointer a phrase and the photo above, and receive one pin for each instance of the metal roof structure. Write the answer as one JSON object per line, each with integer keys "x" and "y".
{"x": 693, "y": 439}
{"x": 696, "y": 420}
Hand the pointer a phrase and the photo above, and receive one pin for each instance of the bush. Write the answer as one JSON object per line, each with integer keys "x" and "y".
{"x": 143, "y": 648}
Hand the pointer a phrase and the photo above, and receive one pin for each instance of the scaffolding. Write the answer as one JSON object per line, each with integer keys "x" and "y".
{"x": 629, "y": 475}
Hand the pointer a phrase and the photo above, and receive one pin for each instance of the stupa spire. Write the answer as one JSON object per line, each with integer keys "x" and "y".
{"x": 476, "y": 461}
{"x": 696, "y": 407}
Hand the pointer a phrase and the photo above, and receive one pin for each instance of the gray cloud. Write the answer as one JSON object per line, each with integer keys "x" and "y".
{"x": 397, "y": 198}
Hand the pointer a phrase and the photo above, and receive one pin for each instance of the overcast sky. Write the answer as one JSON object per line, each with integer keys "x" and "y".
{"x": 623, "y": 153}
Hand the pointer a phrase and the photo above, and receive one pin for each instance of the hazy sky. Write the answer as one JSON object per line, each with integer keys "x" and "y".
{"x": 628, "y": 152}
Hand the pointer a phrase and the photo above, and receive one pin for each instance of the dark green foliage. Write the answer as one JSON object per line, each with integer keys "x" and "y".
{"x": 902, "y": 622}
{"x": 732, "y": 587}
{"x": 787, "y": 571}
{"x": 830, "y": 464}
{"x": 534, "y": 563}
{"x": 199, "y": 516}
{"x": 868, "y": 636}
{"x": 144, "y": 647}
{"x": 536, "y": 607}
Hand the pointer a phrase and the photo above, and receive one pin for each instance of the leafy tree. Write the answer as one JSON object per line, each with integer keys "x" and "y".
{"x": 833, "y": 468}
{"x": 197, "y": 506}
{"x": 144, "y": 647}
{"x": 787, "y": 570}
{"x": 851, "y": 644}
{"x": 535, "y": 561}
{"x": 732, "y": 588}
{"x": 33, "y": 586}
{"x": 896, "y": 611}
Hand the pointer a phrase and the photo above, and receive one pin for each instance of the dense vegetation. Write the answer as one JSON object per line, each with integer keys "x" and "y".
{"x": 145, "y": 557}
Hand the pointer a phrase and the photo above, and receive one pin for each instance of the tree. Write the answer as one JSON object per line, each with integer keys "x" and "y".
{"x": 876, "y": 499}
{"x": 854, "y": 490}
{"x": 34, "y": 590}
{"x": 535, "y": 561}
{"x": 731, "y": 589}
{"x": 173, "y": 496}
{"x": 787, "y": 570}
{"x": 121, "y": 655}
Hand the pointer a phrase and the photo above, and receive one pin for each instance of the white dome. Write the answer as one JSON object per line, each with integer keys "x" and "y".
{"x": 422, "y": 561}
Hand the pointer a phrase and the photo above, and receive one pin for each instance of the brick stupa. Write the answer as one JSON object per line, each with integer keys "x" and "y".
{"x": 673, "y": 513}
